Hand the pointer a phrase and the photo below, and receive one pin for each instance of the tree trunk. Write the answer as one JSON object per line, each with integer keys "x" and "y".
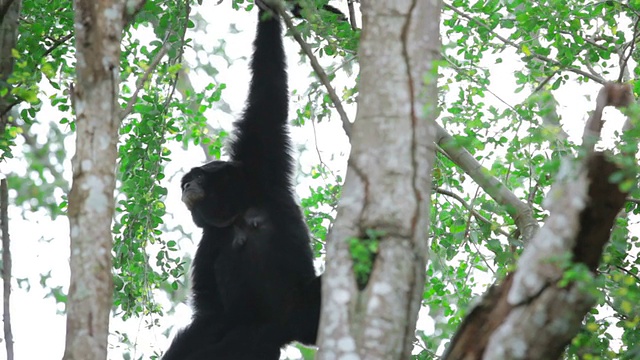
{"x": 387, "y": 189}
{"x": 98, "y": 31}
{"x": 9, "y": 17}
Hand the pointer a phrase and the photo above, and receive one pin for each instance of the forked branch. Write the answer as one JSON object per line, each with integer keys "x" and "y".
{"x": 583, "y": 205}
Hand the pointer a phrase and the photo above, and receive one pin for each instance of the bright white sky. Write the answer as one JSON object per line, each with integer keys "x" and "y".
{"x": 40, "y": 246}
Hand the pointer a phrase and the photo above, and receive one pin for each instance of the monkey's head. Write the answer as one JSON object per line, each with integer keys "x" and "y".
{"x": 215, "y": 193}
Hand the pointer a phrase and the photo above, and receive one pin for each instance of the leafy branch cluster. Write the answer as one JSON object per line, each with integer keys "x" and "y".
{"x": 521, "y": 144}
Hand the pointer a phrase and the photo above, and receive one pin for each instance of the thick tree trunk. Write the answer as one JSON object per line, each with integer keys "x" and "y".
{"x": 387, "y": 188}
{"x": 98, "y": 31}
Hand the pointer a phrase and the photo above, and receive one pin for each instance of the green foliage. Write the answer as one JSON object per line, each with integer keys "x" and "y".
{"x": 141, "y": 167}
{"x": 518, "y": 141}
{"x": 335, "y": 40}
{"x": 44, "y": 54}
{"x": 320, "y": 205}
{"x": 513, "y": 131}
{"x": 307, "y": 353}
{"x": 363, "y": 254}
{"x": 143, "y": 259}
{"x": 7, "y": 141}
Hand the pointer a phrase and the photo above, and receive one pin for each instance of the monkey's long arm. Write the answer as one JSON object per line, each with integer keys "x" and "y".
{"x": 262, "y": 142}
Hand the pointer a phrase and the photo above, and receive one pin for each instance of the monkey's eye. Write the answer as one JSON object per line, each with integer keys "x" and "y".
{"x": 194, "y": 174}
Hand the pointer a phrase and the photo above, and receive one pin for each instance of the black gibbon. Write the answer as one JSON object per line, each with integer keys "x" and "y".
{"x": 254, "y": 286}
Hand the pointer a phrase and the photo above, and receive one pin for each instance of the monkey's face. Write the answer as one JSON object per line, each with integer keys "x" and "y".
{"x": 215, "y": 193}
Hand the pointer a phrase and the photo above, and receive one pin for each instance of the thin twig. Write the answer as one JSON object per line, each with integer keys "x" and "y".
{"x": 322, "y": 76}
{"x": 532, "y": 193}
{"x": 628, "y": 272}
{"x": 543, "y": 83}
{"x": 590, "y": 67}
{"x": 631, "y": 47}
{"x": 473, "y": 212}
{"x": 347, "y": 60}
{"x": 127, "y": 110}
{"x": 179, "y": 58}
{"x": 467, "y": 237}
{"x": 6, "y": 268}
{"x": 633, "y": 201}
{"x": 587, "y": 38}
{"x": 315, "y": 142}
{"x": 56, "y": 44}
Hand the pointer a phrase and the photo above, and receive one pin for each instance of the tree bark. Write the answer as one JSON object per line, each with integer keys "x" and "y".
{"x": 529, "y": 315}
{"x": 98, "y": 31}
{"x": 6, "y": 268}
{"x": 9, "y": 17}
{"x": 387, "y": 188}
{"x": 520, "y": 212}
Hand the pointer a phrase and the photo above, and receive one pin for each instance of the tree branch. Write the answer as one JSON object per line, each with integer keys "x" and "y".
{"x": 467, "y": 206}
{"x": 4, "y": 111}
{"x": 611, "y": 94}
{"x": 56, "y": 44}
{"x": 624, "y": 61}
{"x": 322, "y": 75}
{"x": 352, "y": 15}
{"x": 633, "y": 201}
{"x": 156, "y": 60}
{"x": 519, "y": 211}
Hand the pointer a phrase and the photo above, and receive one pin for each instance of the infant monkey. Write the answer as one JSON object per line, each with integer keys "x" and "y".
{"x": 250, "y": 224}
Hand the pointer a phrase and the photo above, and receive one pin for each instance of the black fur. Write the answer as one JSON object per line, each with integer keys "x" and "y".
{"x": 254, "y": 286}
{"x": 252, "y": 225}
